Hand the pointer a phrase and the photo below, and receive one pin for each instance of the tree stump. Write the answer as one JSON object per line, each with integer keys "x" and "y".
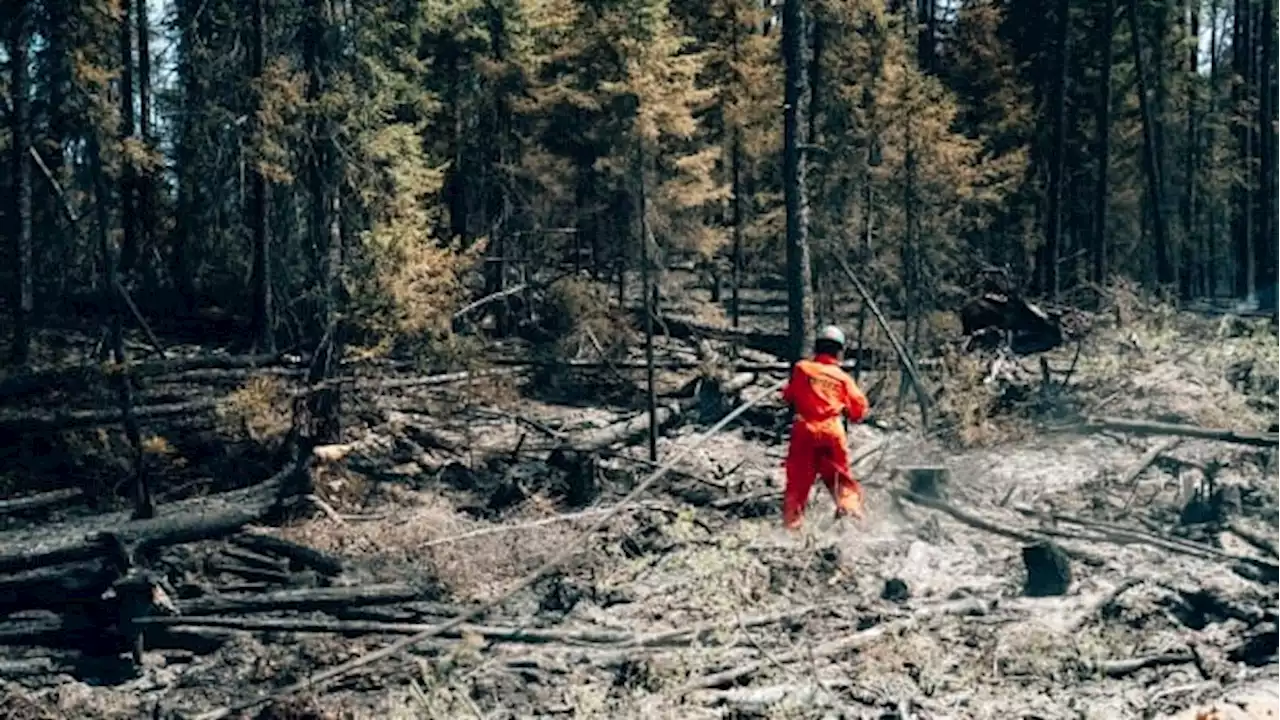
{"x": 1048, "y": 570}
{"x": 930, "y": 482}
{"x": 895, "y": 590}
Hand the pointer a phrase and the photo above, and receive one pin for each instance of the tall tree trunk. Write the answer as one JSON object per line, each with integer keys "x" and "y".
{"x": 1151, "y": 156}
{"x": 326, "y": 220}
{"x": 143, "y": 187}
{"x": 20, "y": 146}
{"x": 1265, "y": 244}
{"x": 1190, "y": 265}
{"x": 647, "y": 290}
{"x": 1242, "y": 227}
{"x": 799, "y": 283}
{"x": 183, "y": 236}
{"x": 1208, "y": 250}
{"x": 1103, "y": 123}
{"x": 263, "y": 317}
{"x": 128, "y": 217}
{"x": 1057, "y": 156}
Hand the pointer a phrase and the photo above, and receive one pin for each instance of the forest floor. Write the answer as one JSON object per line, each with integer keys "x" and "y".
{"x": 694, "y": 602}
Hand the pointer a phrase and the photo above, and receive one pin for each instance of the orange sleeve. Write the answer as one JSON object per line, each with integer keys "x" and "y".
{"x": 855, "y": 402}
{"x": 788, "y": 391}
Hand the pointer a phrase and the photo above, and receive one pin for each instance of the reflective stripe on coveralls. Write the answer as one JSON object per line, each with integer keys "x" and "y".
{"x": 820, "y": 391}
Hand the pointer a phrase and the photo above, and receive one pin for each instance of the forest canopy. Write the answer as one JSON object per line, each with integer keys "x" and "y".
{"x": 289, "y": 163}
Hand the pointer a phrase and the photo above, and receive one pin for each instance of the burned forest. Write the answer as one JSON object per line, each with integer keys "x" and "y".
{"x": 426, "y": 359}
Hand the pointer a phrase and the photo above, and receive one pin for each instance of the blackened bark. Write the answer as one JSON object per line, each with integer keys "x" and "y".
{"x": 1151, "y": 155}
{"x": 1265, "y": 244}
{"x": 1057, "y": 156}
{"x": 1101, "y": 193}
{"x": 1190, "y": 259}
{"x": 20, "y": 149}
{"x": 143, "y": 185}
{"x": 1242, "y": 217}
{"x": 263, "y": 320}
{"x": 799, "y": 291}
{"x": 128, "y": 216}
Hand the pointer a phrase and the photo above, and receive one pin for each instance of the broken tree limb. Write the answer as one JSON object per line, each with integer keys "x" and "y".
{"x": 995, "y": 528}
{"x": 856, "y": 641}
{"x": 527, "y": 581}
{"x": 638, "y": 426}
{"x": 923, "y": 396}
{"x": 321, "y": 562}
{"x": 368, "y": 627}
{"x": 1131, "y": 475}
{"x": 1264, "y": 544}
{"x": 42, "y": 500}
{"x": 306, "y": 599}
{"x": 1121, "y": 668}
{"x": 1151, "y": 427}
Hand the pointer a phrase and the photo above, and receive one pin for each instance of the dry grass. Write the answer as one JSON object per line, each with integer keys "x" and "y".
{"x": 260, "y": 411}
{"x": 473, "y": 569}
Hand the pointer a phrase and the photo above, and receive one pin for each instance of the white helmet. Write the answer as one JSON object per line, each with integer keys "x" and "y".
{"x": 833, "y": 334}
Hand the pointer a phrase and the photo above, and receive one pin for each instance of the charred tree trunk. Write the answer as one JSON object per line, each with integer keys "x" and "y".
{"x": 143, "y": 184}
{"x": 1242, "y": 223}
{"x": 128, "y": 216}
{"x": 1106, "y": 37}
{"x": 1208, "y": 251}
{"x": 180, "y": 266}
{"x": 1191, "y": 263}
{"x": 799, "y": 282}
{"x": 23, "y": 303}
{"x": 1057, "y": 156}
{"x": 1151, "y": 155}
{"x": 1266, "y": 261}
{"x": 263, "y": 324}
{"x": 646, "y": 288}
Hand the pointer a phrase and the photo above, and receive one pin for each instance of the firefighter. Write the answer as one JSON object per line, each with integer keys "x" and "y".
{"x": 819, "y": 392}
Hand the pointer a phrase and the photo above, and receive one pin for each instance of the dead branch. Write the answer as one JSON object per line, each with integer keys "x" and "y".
{"x": 1264, "y": 544}
{"x": 1151, "y": 427}
{"x": 305, "y": 599}
{"x": 42, "y": 500}
{"x": 1122, "y": 535}
{"x": 994, "y": 528}
{"x": 1121, "y": 668}
{"x": 369, "y": 627}
{"x": 81, "y": 377}
{"x": 321, "y": 562}
{"x": 834, "y": 648}
{"x": 923, "y": 396}
{"x": 1143, "y": 463}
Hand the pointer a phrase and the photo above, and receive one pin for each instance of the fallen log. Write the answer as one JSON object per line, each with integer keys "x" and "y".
{"x": 638, "y": 426}
{"x": 367, "y": 627}
{"x": 1151, "y": 427}
{"x": 83, "y": 377}
{"x": 682, "y": 328}
{"x": 39, "y": 501}
{"x": 54, "y": 587}
{"x": 302, "y": 555}
{"x": 36, "y": 666}
{"x": 994, "y": 528}
{"x": 1121, "y": 668}
{"x": 188, "y": 521}
{"x": 1260, "y": 542}
{"x": 306, "y": 599}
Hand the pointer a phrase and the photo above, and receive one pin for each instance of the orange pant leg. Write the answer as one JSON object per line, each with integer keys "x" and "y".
{"x": 833, "y": 468}
{"x": 801, "y": 472}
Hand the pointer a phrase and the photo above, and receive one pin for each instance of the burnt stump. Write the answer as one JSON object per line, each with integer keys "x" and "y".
{"x": 1048, "y": 570}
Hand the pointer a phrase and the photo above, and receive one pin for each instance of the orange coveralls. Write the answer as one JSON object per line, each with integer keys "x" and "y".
{"x": 820, "y": 391}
